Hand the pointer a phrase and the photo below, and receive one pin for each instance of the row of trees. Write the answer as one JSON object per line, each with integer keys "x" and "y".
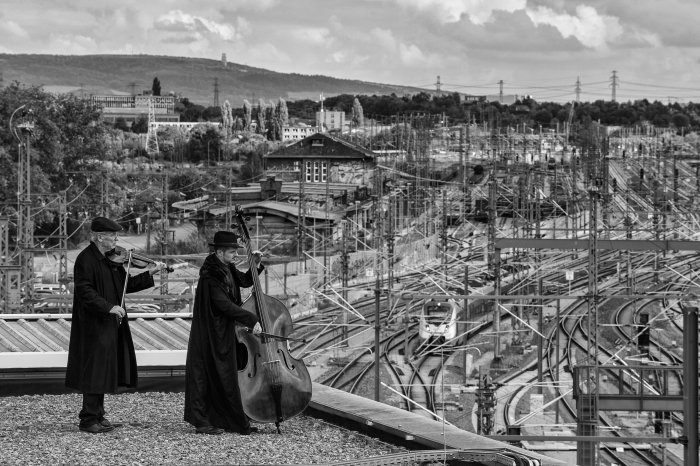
{"x": 526, "y": 111}
{"x": 268, "y": 118}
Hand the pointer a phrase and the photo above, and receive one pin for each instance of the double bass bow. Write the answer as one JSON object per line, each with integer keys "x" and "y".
{"x": 274, "y": 385}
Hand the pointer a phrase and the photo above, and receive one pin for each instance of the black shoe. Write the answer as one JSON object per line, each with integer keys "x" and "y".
{"x": 105, "y": 423}
{"x": 96, "y": 429}
{"x": 210, "y": 430}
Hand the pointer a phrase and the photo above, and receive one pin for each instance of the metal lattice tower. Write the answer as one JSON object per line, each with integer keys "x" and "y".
{"x": 151, "y": 136}
{"x": 614, "y": 83}
{"x": 9, "y": 273}
{"x": 25, "y": 224}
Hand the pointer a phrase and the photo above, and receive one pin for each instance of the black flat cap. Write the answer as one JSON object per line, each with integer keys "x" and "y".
{"x": 100, "y": 224}
{"x": 225, "y": 239}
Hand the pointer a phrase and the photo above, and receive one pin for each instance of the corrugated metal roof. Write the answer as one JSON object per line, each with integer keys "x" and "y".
{"x": 27, "y": 333}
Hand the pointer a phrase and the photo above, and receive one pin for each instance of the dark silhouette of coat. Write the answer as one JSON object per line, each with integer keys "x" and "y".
{"x": 212, "y": 395}
{"x": 101, "y": 353}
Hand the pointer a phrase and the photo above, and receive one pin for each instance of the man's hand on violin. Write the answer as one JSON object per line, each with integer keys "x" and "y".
{"x": 119, "y": 312}
{"x": 156, "y": 267}
{"x": 257, "y": 329}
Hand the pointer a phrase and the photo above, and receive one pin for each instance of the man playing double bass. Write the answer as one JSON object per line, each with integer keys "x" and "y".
{"x": 212, "y": 395}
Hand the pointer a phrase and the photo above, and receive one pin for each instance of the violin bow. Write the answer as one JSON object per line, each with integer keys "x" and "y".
{"x": 278, "y": 337}
{"x": 126, "y": 282}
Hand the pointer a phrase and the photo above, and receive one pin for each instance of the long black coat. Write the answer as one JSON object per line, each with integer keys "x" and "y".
{"x": 101, "y": 353}
{"x": 212, "y": 395}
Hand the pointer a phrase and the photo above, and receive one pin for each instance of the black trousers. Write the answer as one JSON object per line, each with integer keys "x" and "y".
{"x": 93, "y": 409}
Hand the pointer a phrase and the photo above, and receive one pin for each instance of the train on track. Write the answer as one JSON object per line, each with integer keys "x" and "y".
{"x": 438, "y": 322}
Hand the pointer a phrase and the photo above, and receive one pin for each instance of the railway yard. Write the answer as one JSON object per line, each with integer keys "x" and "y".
{"x": 564, "y": 280}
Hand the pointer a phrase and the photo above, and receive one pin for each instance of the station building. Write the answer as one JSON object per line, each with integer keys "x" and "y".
{"x": 133, "y": 107}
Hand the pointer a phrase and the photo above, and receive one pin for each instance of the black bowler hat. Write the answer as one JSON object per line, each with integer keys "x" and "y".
{"x": 101, "y": 224}
{"x": 225, "y": 239}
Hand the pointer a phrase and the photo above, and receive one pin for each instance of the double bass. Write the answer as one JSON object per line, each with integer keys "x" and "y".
{"x": 274, "y": 385}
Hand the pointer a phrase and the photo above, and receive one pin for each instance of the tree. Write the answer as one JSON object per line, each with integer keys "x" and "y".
{"x": 260, "y": 117}
{"x": 283, "y": 112}
{"x": 226, "y": 120}
{"x": 140, "y": 125}
{"x": 357, "y": 118}
{"x": 247, "y": 115}
{"x": 156, "y": 86}
{"x": 280, "y": 119}
{"x": 680, "y": 120}
{"x": 212, "y": 114}
{"x": 69, "y": 137}
{"x": 204, "y": 143}
{"x": 120, "y": 123}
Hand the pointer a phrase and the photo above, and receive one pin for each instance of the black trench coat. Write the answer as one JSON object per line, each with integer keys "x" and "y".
{"x": 212, "y": 395}
{"x": 101, "y": 353}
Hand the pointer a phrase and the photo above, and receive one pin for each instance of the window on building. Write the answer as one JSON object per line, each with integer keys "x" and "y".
{"x": 317, "y": 142}
{"x": 316, "y": 172}
{"x": 296, "y": 166}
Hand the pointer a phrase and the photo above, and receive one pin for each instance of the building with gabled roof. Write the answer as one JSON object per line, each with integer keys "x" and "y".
{"x": 324, "y": 160}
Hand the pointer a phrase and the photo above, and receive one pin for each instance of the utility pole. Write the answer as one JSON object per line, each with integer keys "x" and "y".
{"x": 147, "y": 226}
{"x": 587, "y": 406}
{"x": 500, "y": 91}
{"x": 164, "y": 237}
{"x": 390, "y": 252}
{"x": 377, "y": 294}
{"x": 216, "y": 92}
{"x": 690, "y": 390}
{"x": 344, "y": 261}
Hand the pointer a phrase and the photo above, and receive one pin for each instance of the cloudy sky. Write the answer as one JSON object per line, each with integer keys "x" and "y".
{"x": 537, "y": 47}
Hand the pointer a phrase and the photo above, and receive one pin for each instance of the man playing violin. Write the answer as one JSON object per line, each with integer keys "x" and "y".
{"x": 101, "y": 354}
{"x": 212, "y": 395}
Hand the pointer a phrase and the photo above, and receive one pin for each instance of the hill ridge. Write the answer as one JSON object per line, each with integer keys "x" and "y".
{"x": 190, "y": 77}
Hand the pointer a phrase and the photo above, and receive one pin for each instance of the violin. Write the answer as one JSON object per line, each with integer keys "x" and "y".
{"x": 120, "y": 256}
{"x": 274, "y": 385}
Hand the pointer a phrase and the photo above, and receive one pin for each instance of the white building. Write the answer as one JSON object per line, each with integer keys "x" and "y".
{"x": 295, "y": 133}
{"x": 328, "y": 120}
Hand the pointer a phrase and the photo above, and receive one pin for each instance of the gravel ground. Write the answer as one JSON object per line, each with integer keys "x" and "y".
{"x": 43, "y": 430}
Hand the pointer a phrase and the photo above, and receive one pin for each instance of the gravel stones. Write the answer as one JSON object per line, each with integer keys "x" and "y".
{"x": 42, "y": 429}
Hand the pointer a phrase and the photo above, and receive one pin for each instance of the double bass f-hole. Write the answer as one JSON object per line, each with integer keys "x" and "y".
{"x": 282, "y": 389}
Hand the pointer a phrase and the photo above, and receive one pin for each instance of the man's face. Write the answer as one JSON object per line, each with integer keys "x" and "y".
{"x": 107, "y": 240}
{"x": 227, "y": 256}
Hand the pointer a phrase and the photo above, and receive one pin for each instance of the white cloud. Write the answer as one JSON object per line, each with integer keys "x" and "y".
{"x": 384, "y": 38}
{"x": 588, "y": 26}
{"x": 411, "y": 55}
{"x": 451, "y": 11}
{"x": 314, "y": 36}
{"x": 11, "y": 28}
{"x": 179, "y": 21}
